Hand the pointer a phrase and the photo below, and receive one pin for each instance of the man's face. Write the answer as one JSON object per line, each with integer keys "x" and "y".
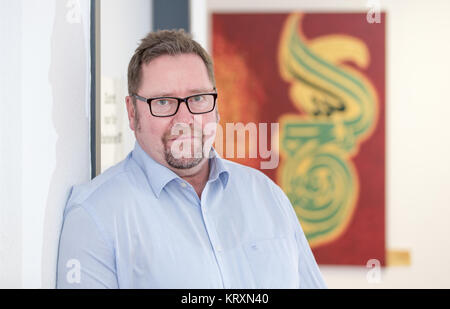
{"x": 178, "y": 141}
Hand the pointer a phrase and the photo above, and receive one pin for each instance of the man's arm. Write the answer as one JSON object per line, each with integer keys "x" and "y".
{"x": 310, "y": 276}
{"x": 309, "y": 272}
{"x": 85, "y": 258}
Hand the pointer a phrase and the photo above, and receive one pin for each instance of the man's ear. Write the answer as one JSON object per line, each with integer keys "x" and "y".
{"x": 130, "y": 112}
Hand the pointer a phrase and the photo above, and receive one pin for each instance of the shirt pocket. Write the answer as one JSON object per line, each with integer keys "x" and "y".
{"x": 273, "y": 262}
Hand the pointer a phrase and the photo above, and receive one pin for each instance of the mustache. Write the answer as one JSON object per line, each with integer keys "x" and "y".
{"x": 182, "y": 130}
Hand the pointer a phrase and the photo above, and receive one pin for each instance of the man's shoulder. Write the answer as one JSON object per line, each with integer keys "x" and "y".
{"x": 243, "y": 172}
{"x": 257, "y": 186}
{"x": 104, "y": 188}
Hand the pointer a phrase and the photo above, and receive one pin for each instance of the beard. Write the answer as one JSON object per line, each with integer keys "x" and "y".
{"x": 185, "y": 153}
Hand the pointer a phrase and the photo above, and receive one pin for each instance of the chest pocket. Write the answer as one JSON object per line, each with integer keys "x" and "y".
{"x": 273, "y": 262}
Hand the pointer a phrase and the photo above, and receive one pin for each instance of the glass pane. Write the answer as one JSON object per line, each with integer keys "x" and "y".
{"x": 118, "y": 42}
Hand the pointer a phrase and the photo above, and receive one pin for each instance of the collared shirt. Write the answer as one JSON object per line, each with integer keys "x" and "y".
{"x": 139, "y": 225}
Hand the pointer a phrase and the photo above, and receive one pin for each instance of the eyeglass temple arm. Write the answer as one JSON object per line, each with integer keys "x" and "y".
{"x": 140, "y": 98}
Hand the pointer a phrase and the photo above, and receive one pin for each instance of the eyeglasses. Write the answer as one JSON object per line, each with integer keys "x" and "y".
{"x": 201, "y": 103}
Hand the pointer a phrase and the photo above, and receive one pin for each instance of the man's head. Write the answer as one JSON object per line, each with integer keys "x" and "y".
{"x": 171, "y": 64}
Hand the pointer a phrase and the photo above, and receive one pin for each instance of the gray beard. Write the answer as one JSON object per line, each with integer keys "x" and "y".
{"x": 182, "y": 163}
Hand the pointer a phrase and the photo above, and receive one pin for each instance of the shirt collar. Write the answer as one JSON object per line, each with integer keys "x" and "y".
{"x": 158, "y": 176}
{"x": 218, "y": 169}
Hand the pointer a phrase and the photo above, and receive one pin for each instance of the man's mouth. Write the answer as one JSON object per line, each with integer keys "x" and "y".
{"x": 184, "y": 137}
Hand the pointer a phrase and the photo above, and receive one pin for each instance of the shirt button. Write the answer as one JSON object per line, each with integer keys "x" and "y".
{"x": 183, "y": 185}
{"x": 219, "y": 249}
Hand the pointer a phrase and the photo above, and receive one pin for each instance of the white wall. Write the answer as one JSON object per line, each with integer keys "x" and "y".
{"x": 198, "y": 16}
{"x": 10, "y": 145}
{"x": 44, "y": 129}
{"x": 417, "y": 138}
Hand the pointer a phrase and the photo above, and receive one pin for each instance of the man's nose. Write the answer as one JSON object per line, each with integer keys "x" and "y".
{"x": 183, "y": 114}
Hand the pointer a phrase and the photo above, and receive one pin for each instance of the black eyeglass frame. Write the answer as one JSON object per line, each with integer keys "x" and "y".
{"x": 180, "y": 100}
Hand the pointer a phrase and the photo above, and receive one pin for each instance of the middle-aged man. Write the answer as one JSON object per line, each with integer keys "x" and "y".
{"x": 167, "y": 217}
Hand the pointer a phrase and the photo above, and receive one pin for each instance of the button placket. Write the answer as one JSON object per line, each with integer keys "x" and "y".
{"x": 212, "y": 235}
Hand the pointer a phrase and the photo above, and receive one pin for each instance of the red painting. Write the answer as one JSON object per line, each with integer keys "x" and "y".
{"x": 311, "y": 87}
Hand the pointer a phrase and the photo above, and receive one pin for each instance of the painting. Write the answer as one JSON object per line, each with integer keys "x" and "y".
{"x": 314, "y": 84}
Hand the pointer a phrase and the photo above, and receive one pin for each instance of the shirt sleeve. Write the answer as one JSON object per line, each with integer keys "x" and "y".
{"x": 309, "y": 272}
{"x": 85, "y": 260}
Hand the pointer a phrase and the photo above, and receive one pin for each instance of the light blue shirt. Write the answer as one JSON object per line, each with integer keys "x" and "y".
{"x": 139, "y": 225}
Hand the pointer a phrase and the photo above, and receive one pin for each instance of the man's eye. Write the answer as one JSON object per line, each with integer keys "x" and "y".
{"x": 197, "y": 98}
{"x": 162, "y": 102}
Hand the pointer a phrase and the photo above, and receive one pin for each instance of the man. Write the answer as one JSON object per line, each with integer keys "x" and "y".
{"x": 174, "y": 214}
